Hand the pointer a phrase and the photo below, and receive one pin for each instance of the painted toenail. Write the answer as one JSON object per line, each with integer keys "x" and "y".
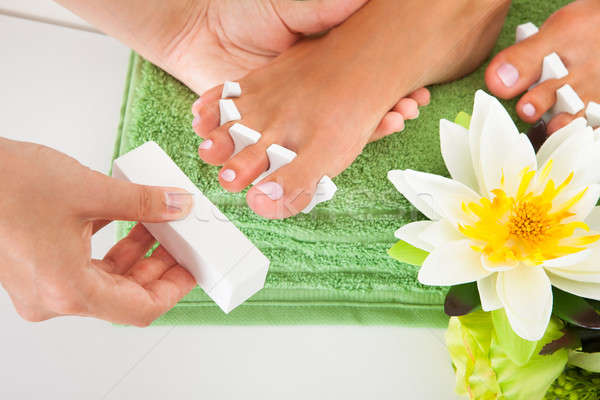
{"x": 272, "y": 189}
{"x": 529, "y": 109}
{"x": 205, "y": 145}
{"x": 196, "y": 121}
{"x": 228, "y": 175}
{"x": 195, "y": 106}
{"x": 508, "y": 74}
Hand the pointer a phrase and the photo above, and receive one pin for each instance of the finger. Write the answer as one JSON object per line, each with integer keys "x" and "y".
{"x": 151, "y": 268}
{"x": 314, "y": 16}
{"x": 115, "y": 199}
{"x": 123, "y": 255}
{"x": 121, "y": 300}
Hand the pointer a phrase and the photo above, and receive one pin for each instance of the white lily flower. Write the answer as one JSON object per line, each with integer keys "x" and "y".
{"x": 513, "y": 221}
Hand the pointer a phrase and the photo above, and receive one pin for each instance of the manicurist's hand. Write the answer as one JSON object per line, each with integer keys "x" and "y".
{"x": 50, "y": 206}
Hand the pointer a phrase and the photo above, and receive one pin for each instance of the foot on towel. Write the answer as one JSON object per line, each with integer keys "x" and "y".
{"x": 572, "y": 33}
{"x": 324, "y": 98}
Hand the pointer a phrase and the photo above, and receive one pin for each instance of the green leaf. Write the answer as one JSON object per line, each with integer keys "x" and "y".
{"x": 462, "y": 299}
{"x": 575, "y": 310}
{"x": 529, "y": 381}
{"x": 516, "y": 348}
{"x": 588, "y": 361}
{"x": 407, "y": 253}
{"x": 463, "y": 119}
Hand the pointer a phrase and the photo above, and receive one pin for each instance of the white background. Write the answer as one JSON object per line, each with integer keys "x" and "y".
{"x": 61, "y": 84}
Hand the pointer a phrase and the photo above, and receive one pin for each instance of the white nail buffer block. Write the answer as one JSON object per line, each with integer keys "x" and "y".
{"x": 242, "y": 137}
{"x": 223, "y": 261}
{"x": 592, "y": 113}
{"x": 567, "y": 101}
{"x": 525, "y": 30}
{"x": 229, "y": 111}
{"x": 231, "y": 89}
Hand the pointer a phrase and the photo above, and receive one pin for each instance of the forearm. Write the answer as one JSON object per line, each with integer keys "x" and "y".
{"x": 150, "y": 27}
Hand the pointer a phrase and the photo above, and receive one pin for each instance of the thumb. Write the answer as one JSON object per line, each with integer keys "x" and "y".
{"x": 314, "y": 16}
{"x": 115, "y": 199}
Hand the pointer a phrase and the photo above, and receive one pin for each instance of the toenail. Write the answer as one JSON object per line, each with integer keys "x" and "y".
{"x": 205, "y": 145}
{"x": 196, "y": 121}
{"x": 508, "y": 74}
{"x": 228, "y": 175}
{"x": 195, "y": 106}
{"x": 528, "y": 109}
{"x": 272, "y": 189}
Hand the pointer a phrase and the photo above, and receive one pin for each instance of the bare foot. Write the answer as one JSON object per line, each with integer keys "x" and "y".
{"x": 205, "y": 42}
{"x": 572, "y": 32}
{"x": 324, "y": 98}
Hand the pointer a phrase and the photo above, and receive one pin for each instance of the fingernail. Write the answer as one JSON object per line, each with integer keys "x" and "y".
{"x": 528, "y": 109}
{"x": 228, "y": 175}
{"x": 179, "y": 203}
{"x": 205, "y": 145}
{"x": 272, "y": 189}
{"x": 196, "y": 121}
{"x": 508, "y": 74}
{"x": 195, "y": 106}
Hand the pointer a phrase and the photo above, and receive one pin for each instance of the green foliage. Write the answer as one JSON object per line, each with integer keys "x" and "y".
{"x": 407, "y": 253}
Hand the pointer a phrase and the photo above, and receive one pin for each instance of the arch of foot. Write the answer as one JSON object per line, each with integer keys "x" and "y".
{"x": 243, "y": 136}
{"x": 567, "y": 99}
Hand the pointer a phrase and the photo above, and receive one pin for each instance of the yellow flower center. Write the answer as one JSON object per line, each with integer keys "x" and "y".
{"x": 529, "y": 227}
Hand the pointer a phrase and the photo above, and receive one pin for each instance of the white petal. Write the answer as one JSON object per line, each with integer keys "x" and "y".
{"x": 452, "y": 264}
{"x": 440, "y": 233}
{"x": 488, "y": 294}
{"x": 454, "y": 142}
{"x": 445, "y": 196}
{"x": 590, "y": 290}
{"x": 420, "y": 202}
{"x": 583, "y": 266}
{"x": 583, "y": 207}
{"x": 593, "y": 219}
{"x": 579, "y": 155}
{"x": 504, "y": 152}
{"x": 480, "y": 112}
{"x": 410, "y": 234}
{"x": 558, "y": 137}
{"x": 495, "y": 267}
{"x": 526, "y": 294}
{"x": 568, "y": 260}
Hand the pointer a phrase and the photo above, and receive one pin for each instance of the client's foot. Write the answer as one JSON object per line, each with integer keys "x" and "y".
{"x": 325, "y": 97}
{"x": 572, "y": 32}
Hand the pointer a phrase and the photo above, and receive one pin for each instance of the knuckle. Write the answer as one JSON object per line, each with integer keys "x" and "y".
{"x": 144, "y": 202}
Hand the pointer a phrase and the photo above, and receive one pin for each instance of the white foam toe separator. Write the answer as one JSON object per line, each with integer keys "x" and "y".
{"x": 525, "y": 30}
{"x": 567, "y": 101}
{"x": 278, "y": 157}
{"x": 553, "y": 68}
{"x": 242, "y": 137}
{"x": 231, "y": 89}
{"x": 325, "y": 191}
{"x": 592, "y": 113}
{"x": 229, "y": 111}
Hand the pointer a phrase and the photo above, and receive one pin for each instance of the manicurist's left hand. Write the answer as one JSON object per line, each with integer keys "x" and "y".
{"x": 50, "y": 207}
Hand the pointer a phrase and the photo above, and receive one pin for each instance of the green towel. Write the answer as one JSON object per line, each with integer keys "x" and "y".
{"x": 331, "y": 266}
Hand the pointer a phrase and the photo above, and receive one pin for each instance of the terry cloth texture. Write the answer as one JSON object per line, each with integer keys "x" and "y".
{"x": 331, "y": 266}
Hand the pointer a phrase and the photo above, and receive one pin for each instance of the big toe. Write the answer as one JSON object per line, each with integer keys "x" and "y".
{"x": 516, "y": 68}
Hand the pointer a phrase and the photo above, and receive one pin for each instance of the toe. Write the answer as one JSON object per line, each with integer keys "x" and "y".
{"x": 207, "y": 120}
{"x": 536, "y": 102}
{"x": 210, "y": 96}
{"x": 287, "y": 191}
{"x": 408, "y": 107}
{"x": 421, "y": 96}
{"x": 392, "y": 122}
{"x": 561, "y": 120}
{"x": 217, "y": 146}
{"x": 516, "y": 68}
{"x": 242, "y": 169}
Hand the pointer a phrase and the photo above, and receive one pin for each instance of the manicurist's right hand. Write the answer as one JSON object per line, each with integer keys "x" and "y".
{"x": 50, "y": 207}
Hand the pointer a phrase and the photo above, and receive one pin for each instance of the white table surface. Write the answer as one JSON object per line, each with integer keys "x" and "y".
{"x": 62, "y": 86}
